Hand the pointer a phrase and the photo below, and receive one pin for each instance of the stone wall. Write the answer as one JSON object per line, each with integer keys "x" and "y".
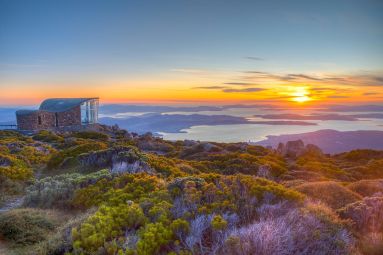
{"x": 30, "y": 121}
{"x": 69, "y": 118}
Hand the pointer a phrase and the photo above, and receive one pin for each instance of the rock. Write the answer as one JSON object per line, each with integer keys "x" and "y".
{"x": 311, "y": 148}
{"x": 189, "y": 143}
{"x": 118, "y": 159}
{"x": 209, "y": 147}
{"x": 292, "y": 149}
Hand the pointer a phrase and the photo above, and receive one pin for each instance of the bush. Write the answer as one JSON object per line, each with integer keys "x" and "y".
{"x": 105, "y": 224}
{"x": 319, "y": 163}
{"x": 372, "y": 244}
{"x": 360, "y": 155}
{"x": 91, "y": 135}
{"x": 14, "y": 168}
{"x": 118, "y": 190}
{"x": 48, "y": 136}
{"x": 27, "y": 226}
{"x": 367, "y": 188}
{"x": 58, "y": 191}
{"x": 367, "y": 214}
{"x": 330, "y": 193}
{"x": 72, "y": 152}
{"x": 313, "y": 230}
{"x": 152, "y": 238}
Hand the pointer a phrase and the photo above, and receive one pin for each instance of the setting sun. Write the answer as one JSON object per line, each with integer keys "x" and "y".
{"x": 300, "y": 95}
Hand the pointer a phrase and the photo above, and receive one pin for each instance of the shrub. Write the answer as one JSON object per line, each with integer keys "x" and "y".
{"x": 14, "y": 168}
{"x": 363, "y": 155}
{"x": 330, "y": 193}
{"x": 91, "y": 135}
{"x": 36, "y": 155}
{"x": 152, "y": 238}
{"x": 118, "y": 190}
{"x": 320, "y": 163}
{"x": 58, "y": 191}
{"x": 72, "y": 152}
{"x": 48, "y": 136}
{"x": 164, "y": 166}
{"x": 307, "y": 231}
{"x": 240, "y": 194}
{"x": 218, "y": 223}
{"x": 27, "y": 226}
{"x": 371, "y": 244}
{"x": 367, "y": 187}
{"x": 366, "y": 214}
{"x": 105, "y": 224}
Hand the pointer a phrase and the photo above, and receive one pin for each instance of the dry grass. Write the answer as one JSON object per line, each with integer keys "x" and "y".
{"x": 331, "y": 193}
{"x": 367, "y": 188}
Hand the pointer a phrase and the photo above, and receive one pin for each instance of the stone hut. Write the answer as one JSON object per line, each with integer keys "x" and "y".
{"x": 59, "y": 113}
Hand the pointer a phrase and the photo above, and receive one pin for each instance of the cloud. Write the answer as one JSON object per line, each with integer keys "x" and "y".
{"x": 371, "y": 93}
{"x": 231, "y": 90}
{"x": 254, "y": 58}
{"x": 347, "y": 79}
{"x": 323, "y": 89}
{"x": 239, "y": 83}
{"x": 210, "y": 87}
{"x": 337, "y": 96}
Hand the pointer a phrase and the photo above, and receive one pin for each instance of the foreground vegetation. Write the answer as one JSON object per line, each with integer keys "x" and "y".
{"x": 114, "y": 192}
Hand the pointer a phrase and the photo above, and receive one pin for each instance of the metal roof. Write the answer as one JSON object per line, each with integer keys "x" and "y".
{"x": 62, "y": 104}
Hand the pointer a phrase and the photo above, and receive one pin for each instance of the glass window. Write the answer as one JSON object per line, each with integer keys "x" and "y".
{"x": 89, "y": 112}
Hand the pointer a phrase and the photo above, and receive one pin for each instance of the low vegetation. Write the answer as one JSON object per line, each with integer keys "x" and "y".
{"x": 120, "y": 193}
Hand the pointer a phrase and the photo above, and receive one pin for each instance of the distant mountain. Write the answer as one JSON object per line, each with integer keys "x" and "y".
{"x": 332, "y": 141}
{"x": 355, "y": 108}
{"x": 170, "y": 122}
{"x": 121, "y": 108}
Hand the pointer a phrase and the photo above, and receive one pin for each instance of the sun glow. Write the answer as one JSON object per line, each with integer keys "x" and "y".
{"x": 300, "y": 95}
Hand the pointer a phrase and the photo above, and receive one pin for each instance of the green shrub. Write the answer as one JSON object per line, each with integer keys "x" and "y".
{"x": 58, "y": 191}
{"x": 48, "y": 136}
{"x": 331, "y": 193}
{"x": 152, "y": 238}
{"x": 14, "y": 168}
{"x": 72, "y": 152}
{"x": 26, "y": 226}
{"x": 106, "y": 224}
{"x": 91, "y": 135}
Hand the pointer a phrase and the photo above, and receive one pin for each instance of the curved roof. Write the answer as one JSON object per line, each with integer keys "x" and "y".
{"x": 62, "y": 104}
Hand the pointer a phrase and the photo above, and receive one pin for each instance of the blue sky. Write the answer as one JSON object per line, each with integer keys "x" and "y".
{"x": 76, "y": 41}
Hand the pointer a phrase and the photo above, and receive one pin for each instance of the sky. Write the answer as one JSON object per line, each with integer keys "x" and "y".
{"x": 188, "y": 51}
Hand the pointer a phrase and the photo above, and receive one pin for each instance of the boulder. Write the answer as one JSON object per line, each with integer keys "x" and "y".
{"x": 118, "y": 159}
{"x": 189, "y": 143}
{"x": 291, "y": 149}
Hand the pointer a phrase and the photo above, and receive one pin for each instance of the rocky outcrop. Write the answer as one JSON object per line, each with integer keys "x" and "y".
{"x": 118, "y": 159}
{"x": 291, "y": 148}
{"x": 296, "y": 148}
